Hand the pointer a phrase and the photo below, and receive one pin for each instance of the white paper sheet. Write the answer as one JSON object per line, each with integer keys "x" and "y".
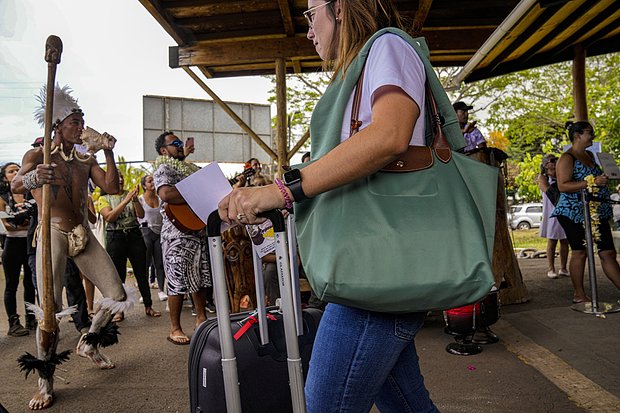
{"x": 608, "y": 163}
{"x": 204, "y": 189}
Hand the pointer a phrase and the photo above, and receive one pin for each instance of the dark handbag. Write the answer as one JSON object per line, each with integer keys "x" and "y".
{"x": 553, "y": 193}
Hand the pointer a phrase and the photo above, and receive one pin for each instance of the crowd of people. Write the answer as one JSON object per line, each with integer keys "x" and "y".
{"x": 380, "y": 364}
{"x": 92, "y": 242}
{"x": 131, "y": 223}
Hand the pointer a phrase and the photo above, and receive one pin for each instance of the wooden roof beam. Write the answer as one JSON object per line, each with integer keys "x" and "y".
{"x": 165, "y": 20}
{"x": 557, "y": 30}
{"x": 524, "y": 36}
{"x": 231, "y": 53}
{"x": 287, "y": 18}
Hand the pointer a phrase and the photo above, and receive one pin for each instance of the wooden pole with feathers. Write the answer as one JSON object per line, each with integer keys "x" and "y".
{"x": 48, "y": 326}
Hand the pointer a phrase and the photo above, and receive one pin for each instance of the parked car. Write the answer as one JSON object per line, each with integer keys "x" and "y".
{"x": 525, "y": 216}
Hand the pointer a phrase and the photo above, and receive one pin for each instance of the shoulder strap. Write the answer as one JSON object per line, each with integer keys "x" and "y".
{"x": 440, "y": 143}
{"x": 355, "y": 108}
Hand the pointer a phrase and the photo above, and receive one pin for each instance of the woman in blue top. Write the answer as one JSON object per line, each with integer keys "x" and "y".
{"x": 572, "y": 169}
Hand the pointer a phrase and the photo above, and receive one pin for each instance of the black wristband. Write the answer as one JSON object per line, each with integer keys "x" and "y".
{"x": 292, "y": 179}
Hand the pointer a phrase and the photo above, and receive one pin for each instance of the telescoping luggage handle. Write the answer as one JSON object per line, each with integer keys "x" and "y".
{"x": 229, "y": 362}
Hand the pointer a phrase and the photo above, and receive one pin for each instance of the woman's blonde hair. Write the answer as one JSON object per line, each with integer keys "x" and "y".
{"x": 360, "y": 19}
{"x": 261, "y": 180}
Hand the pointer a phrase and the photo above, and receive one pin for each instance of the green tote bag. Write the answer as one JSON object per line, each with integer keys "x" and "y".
{"x": 400, "y": 242}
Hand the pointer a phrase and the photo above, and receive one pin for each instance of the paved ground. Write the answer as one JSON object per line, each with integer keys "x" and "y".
{"x": 550, "y": 359}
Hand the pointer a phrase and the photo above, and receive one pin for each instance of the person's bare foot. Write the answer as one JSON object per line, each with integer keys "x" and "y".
{"x": 198, "y": 321}
{"x": 90, "y": 352}
{"x": 151, "y": 313}
{"x": 43, "y": 398}
{"x": 577, "y": 300}
{"x": 178, "y": 337}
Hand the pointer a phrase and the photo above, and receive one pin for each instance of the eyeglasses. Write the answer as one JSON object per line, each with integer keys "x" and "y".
{"x": 309, "y": 14}
{"x": 552, "y": 160}
{"x": 178, "y": 143}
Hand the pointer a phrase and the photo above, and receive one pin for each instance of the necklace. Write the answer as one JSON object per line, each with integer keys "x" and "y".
{"x": 72, "y": 155}
{"x": 184, "y": 168}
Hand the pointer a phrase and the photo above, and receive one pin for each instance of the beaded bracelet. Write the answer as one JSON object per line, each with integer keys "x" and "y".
{"x": 288, "y": 204}
{"x": 30, "y": 181}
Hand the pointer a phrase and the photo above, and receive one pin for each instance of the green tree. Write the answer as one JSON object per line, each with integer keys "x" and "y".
{"x": 527, "y": 188}
{"x": 303, "y": 91}
{"x": 131, "y": 174}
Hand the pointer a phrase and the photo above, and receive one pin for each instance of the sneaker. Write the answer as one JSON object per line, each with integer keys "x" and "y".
{"x": 141, "y": 300}
{"x": 17, "y": 330}
{"x": 552, "y": 274}
{"x": 162, "y": 296}
{"x": 210, "y": 308}
{"x": 564, "y": 273}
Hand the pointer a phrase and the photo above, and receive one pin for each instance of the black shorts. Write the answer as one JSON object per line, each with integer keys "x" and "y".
{"x": 576, "y": 235}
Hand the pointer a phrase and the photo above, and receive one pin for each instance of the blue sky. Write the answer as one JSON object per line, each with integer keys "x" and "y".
{"x": 114, "y": 53}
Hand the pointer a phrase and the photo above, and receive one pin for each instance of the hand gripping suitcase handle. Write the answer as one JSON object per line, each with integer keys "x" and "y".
{"x": 214, "y": 222}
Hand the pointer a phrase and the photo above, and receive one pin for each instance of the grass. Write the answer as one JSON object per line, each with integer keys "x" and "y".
{"x": 528, "y": 239}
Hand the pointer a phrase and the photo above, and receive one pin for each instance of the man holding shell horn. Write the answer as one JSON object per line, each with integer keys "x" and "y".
{"x": 68, "y": 174}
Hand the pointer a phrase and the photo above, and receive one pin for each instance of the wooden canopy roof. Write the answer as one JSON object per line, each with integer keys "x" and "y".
{"x": 224, "y": 38}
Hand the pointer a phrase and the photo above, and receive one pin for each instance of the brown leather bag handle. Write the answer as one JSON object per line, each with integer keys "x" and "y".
{"x": 440, "y": 142}
{"x": 355, "y": 108}
{"x": 416, "y": 157}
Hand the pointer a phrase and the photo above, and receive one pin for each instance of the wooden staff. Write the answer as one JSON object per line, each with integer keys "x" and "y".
{"x": 53, "y": 50}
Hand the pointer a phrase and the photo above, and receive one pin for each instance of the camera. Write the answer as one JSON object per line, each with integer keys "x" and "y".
{"x": 22, "y": 213}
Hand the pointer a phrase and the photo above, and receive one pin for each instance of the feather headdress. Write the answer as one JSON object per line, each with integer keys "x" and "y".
{"x": 64, "y": 105}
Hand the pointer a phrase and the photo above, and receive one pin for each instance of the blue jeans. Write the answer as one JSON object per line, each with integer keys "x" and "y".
{"x": 362, "y": 357}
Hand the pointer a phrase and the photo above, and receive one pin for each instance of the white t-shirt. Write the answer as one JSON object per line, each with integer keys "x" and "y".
{"x": 391, "y": 61}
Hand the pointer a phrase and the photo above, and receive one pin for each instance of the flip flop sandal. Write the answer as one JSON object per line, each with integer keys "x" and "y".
{"x": 175, "y": 340}
{"x": 152, "y": 313}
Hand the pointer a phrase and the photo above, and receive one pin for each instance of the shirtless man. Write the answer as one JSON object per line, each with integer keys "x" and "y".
{"x": 68, "y": 175}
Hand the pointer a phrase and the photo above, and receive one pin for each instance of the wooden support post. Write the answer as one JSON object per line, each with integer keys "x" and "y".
{"x": 231, "y": 113}
{"x": 281, "y": 137}
{"x": 579, "y": 84}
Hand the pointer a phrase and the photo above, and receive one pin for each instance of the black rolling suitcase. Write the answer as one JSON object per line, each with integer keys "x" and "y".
{"x": 270, "y": 348}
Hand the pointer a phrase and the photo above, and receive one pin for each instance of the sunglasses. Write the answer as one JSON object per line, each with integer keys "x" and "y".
{"x": 309, "y": 14}
{"x": 178, "y": 143}
{"x": 552, "y": 160}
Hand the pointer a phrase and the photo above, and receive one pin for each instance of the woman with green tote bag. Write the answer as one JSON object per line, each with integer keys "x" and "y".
{"x": 364, "y": 352}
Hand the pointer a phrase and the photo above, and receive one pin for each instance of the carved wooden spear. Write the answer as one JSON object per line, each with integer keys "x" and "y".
{"x": 48, "y": 326}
